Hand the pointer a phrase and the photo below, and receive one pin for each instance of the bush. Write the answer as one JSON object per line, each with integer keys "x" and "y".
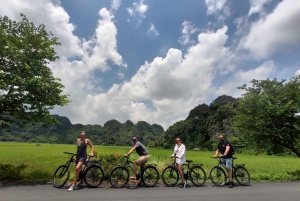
{"x": 11, "y": 172}
{"x": 109, "y": 161}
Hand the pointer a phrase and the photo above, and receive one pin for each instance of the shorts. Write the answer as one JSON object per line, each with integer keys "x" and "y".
{"x": 81, "y": 159}
{"x": 227, "y": 162}
{"x": 142, "y": 159}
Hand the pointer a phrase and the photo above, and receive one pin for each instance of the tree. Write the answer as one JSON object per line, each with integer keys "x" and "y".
{"x": 28, "y": 89}
{"x": 267, "y": 115}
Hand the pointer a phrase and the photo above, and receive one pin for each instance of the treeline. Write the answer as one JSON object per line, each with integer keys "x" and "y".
{"x": 111, "y": 133}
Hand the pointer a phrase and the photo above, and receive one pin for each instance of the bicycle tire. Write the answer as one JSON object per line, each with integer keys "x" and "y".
{"x": 217, "y": 176}
{"x": 197, "y": 175}
{"x": 93, "y": 176}
{"x": 242, "y": 175}
{"x": 170, "y": 176}
{"x": 60, "y": 176}
{"x": 119, "y": 177}
{"x": 150, "y": 176}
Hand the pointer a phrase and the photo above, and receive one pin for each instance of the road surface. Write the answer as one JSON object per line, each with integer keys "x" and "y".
{"x": 273, "y": 191}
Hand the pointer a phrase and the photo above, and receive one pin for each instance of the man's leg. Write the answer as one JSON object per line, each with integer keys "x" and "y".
{"x": 229, "y": 171}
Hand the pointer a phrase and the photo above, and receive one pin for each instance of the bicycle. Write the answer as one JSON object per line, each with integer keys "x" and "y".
{"x": 219, "y": 178}
{"x": 119, "y": 176}
{"x": 93, "y": 175}
{"x": 196, "y": 174}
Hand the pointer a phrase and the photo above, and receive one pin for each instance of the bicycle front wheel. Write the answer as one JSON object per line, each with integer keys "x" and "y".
{"x": 150, "y": 176}
{"x": 217, "y": 176}
{"x": 93, "y": 176}
{"x": 119, "y": 177}
{"x": 170, "y": 176}
{"x": 197, "y": 175}
{"x": 242, "y": 175}
{"x": 61, "y": 176}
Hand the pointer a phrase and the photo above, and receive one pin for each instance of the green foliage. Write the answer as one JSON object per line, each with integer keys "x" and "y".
{"x": 28, "y": 89}
{"x": 11, "y": 172}
{"x": 267, "y": 115}
{"x": 112, "y": 133}
{"x": 109, "y": 161}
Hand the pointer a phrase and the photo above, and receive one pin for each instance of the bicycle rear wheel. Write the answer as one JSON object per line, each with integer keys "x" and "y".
{"x": 242, "y": 175}
{"x": 170, "y": 176}
{"x": 119, "y": 177}
{"x": 197, "y": 175}
{"x": 60, "y": 176}
{"x": 217, "y": 176}
{"x": 150, "y": 176}
{"x": 93, "y": 176}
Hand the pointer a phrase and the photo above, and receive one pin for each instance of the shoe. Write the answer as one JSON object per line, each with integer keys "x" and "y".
{"x": 72, "y": 188}
{"x": 230, "y": 185}
{"x": 184, "y": 185}
{"x": 80, "y": 185}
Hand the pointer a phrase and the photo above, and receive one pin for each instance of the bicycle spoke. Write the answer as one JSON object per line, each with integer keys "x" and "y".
{"x": 150, "y": 176}
{"x": 119, "y": 177}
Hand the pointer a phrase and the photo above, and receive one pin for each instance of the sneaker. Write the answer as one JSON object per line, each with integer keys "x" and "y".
{"x": 80, "y": 185}
{"x": 230, "y": 185}
{"x": 184, "y": 185}
{"x": 72, "y": 188}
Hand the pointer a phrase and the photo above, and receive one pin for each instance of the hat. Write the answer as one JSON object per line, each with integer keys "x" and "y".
{"x": 134, "y": 138}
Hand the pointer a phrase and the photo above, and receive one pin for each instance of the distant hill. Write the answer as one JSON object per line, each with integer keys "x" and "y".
{"x": 111, "y": 133}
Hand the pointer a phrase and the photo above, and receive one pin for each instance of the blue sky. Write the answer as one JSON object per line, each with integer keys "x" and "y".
{"x": 154, "y": 61}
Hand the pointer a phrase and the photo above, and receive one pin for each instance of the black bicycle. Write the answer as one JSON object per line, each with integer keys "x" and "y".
{"x": 196, "y": 174}
{"x": 218, "y": 174}
{"x": 119, "y": 176}
{"x": 91, "y": 174}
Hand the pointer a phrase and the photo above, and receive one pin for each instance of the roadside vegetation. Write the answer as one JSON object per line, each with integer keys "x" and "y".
{"x": 35, "y": 163}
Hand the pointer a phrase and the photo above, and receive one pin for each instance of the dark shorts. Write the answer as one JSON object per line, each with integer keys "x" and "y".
{"x": 81, "y": 159}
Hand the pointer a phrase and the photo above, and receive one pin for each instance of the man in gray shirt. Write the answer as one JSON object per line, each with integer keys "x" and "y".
{"x": 142, "y": 151}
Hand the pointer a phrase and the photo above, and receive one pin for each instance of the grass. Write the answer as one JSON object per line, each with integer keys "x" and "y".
{"x": 43, "y": 159}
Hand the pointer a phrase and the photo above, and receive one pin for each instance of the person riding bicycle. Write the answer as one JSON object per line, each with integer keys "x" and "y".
{"x": 179, "y": 154}
{"x": 226, "y": 150}
{"x": 142, "y": 152}
{"x": 81, "y": 155}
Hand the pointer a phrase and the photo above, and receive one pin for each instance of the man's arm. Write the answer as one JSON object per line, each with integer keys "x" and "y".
{"x": 216, "y": 154}
{"x": 226, "y": 150}
{"x": 131, "y": 150}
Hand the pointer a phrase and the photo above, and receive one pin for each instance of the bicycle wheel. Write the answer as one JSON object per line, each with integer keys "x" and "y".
{"x": 197, "y": 175}
{"x": 119, "y": 177}
{"x": 150, "y": 176}
{"x": 242, "y": 175}
{"x": 217, "y": 176}
{"x": 170, "y": 176}
{"x": 93, "y": 176}
{"x": 61, "y": 176}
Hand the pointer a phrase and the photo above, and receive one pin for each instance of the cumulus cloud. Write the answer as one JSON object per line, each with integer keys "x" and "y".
{"x": 187, "y": 30}
{"x": 257, "y": 6}
{"x": 152, "y": 31}
{"x": 102, "y": 46}
{"x": 275, "y": 32}
{"x": 241, "y": 77}
{"x": 218, "y": 8}
{"x": 138, "y": 11}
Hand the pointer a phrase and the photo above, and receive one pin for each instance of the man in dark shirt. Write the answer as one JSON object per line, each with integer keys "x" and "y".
{"x": 142, "y": 152}
{"x": 224, "y": 148}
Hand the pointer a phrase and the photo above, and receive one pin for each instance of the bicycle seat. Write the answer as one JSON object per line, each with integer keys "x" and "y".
{"x": 189, "y": 161}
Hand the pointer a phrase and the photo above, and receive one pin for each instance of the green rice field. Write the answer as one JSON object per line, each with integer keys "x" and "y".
{"x": 43, "y": 159}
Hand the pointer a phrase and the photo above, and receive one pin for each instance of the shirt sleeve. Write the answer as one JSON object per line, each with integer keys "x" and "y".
{"x": 181, "y": 151}
{"x": 137, "y": 144}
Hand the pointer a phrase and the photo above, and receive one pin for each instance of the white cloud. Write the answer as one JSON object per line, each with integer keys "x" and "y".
{"x": 138, "y": 10}
{"x": 52, "y": 15}
{"x": 257, "y": 6}
{"x": 240, "y": 78}
{"x": 218, "y": 8}
{"x": 115, "y": 4}
{"x": 152, "y": 30}
{"x": 275, "y": 32}
{"x": 187, "y": 30}
{"x": 103, "y": 46}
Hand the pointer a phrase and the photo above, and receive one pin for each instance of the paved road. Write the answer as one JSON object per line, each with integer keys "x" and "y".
{"x": 281, "y": 191}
